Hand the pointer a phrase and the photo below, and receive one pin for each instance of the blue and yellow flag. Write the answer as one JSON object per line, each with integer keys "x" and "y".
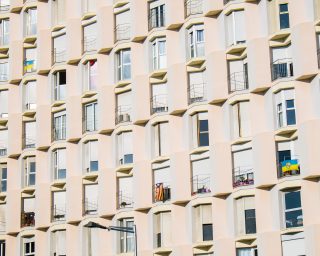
{"x": 290, "y": 165}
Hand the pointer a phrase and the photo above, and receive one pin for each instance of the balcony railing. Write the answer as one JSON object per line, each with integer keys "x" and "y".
{"x": 90, "y": 125}
{"x": 4, "y": 77}
{"x": 161, "y": 192}
{"x": 27, "y": 219}
{"x": 238, "y": 81}
{"x": 29, "y": 142}
{"x": 197, "y": 93}
{"x": 290, "y": 167}
{"x": 29, "y": 66}
{"x": 124, "y": 199}
{"x": 58, "y": 213}
{"x": 281, "y": 68}
{"x": 159, "y": 104}
{"x": 90, "y": 207}
{"x": 122, "y": 32}
{"x": 123, "y": 114}
{"x": 89, "y": 43}
{"x": 60, "y": 92}
{"x": 59, "y": 134}
{"x": 59, "y": 56}
{"x": 3, "y": 151}
{"x": 243, "y": 176}
{"x": 193, "y": 7}
{"x": 156, "y": 19}
{"x": 200, "y": 184}
{"x": 88, "y": 6}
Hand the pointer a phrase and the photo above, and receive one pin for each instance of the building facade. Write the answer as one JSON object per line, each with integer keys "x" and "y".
{"x": 197, "y": 121}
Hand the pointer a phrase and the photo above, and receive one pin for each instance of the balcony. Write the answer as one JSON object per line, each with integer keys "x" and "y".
{"x": 287, "y": 168}
{"x": 126, "y": 159}
{"x": 28, "y": 142}
{"x": 243, "y": 176}
{"x": 281, "y": 68}
{"x": 124, "y": 199}
{"x": 88, "y": 6}
{"x": 122, "y": 32}
{"x": 193, "y": 7}
{"x": 156, "y": 19}
{"x": 4, "y": 40}
{"x": 238, "y": 81}
{"x": 27, "y": 219}
{"x": 90, "y": 207}
{"x": 123, "y": 114}
{"x": 58, "y": 213}
{"x": 161, "y": 192}
{"x": 29, "y": 66}
{"x": 90, "y": 125}
{"x": 3, "y": 77}
{"x": 159, "y": 104}
{"x": 59, "y": 134}
{"x": 3, "y": 151}
{"x": 2, "y": 227}
{"x": 59, "y": 56}
{"x": 89, "y": 43}
{"x": 4, "y": 5}
{"x": 200, "y": 184}
{"x": 197, "y": 93}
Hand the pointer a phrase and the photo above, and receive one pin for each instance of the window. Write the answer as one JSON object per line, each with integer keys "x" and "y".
{"x": 58, "y": 12}
{"x": 30, "y": 61}
{"x": 4, "y": 70}
{"x": 156, "y": 14}
{"x": 29, "y": 165}
{"x": 292, "y": 209}
{"x": 200, "y": 129}
{"x": 161, "y": 181}
{"x": 293, "y": 244}
{"x": 159, "y": 54}
{"x": 122, "y": 30}
{"x": 201, "y": 173}
{"x": 91, "y": 163}
{"x": 125, "y": 148}
{"x": 2, "y": 245}
{"x": 3, "y": 142}
{"x": 4, "y": 32}
{"x": 30, "y": 131}
{"x": 4, "y": 7}
{"x": 202, "y": 223}
{"x": 59, "y": 85}
{"x": 123, "y": 64}
{"x": 28, "y": 212}
{"x": 90, "y": 37}
{"x": 162, "y": 229}
{"x": 59, "y": 125}
{"x": 30, "y": 22}
{"x": 245, "y": 216}
{"x": 30, "y": 95}
{"x": 4, "y": 178}
{"x": 126, "y": 239}
{"x": 288, "y": 158}
{"x": 125, "y": 192}
{"x": 196, "y": 41}
{"x": 58, "y": 205}
{"x": 90, "y": 121}
{"x": 161, "y": 139}
{"x": 4, "y": 104}
{"x": 59, "y": 243}
{"x": 59, "y": 164}
{"x": 59, "y": 48}
{"x": 123, "y": 110}
{"x": 238, "y": 75}
{"x": 241, "y": 119}
{"x": 236, "y": 31}
{"x": 284, "y": 16}
{"x": 88, "y": 6}
{"x": 197, "y": 87}
{"x": 28, "y": 246}
{"x": 193, "y": 7}
{"x": 247, "y": 252}
{"x": 159, "y": 102}
{"x": 90, "y": 75}
{"x": 92, "y": 240}
{"x": 285, "y": 108}
{"x": 91, "y": 199}
{"x": 281, "y": 66}
{"x": 242, "y": 157}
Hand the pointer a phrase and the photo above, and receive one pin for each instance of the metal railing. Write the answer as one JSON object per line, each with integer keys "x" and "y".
{"x": 59, "y": 56}
{"x": 238, "y": 81}
{"x": 243, "y": 176}
{"x": 227, "y": 1}
{"x": 90, "y": 207}
{"x": 28, "y": 142}
{"x": 193, "y": 7}
{"x": 29, "y": 66}
{"x": 4, "y": 77}
{"x": 290, "y": 167}
{"x": 159, "y": 104}
{"x": 281, "y": 68}
{"x": 156, "y": 19}
{"x": 161, "y": 192}
{"x": 200, "y": 184}
{"x": 58, "y": 213}
{"x": 122, "y": 32}
{"x": 89, "y": 43}
{"x": 124, "y": 200}
{"x": 90, "y": 125}
{"x": 123, "y": 114}
{"x": 196, "y": 93}
{"x": 27, "y": 219}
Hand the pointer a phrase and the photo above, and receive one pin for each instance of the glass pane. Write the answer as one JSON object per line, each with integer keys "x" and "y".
{"x": 294, "y": 219}
{"x": 128, "y": 158}
{"x": 283, "y": 7}
{"x": 290, "y": 103}
{"x": 250, "y": 218}
{"x": 292, "y": 200}
{"x": 291, "y": 117}
{"x": 284, "y": 21}
{"x": 62, "y": 173}
{"x": 94, "y": 166}
{"x": 207, "y": 232}
{"x": 203, "y": 125}
{"x": 203, "y": 139}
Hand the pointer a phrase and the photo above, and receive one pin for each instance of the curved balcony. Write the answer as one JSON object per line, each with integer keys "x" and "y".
{"x": 124, "y": 199}
{"x": 193, "y": 7}
{"x": 123, "y": 114}
{"x": 161, "y": 192}
{"x": 200, "y": 184}
{"x": 281, "y": 68}
{"x": 238, "y": 81}
{"x": 122, "y": 32}
{"x": 159, "y": 104}
{"x": 197, "y": 93}
{"x": 243, "y": 176}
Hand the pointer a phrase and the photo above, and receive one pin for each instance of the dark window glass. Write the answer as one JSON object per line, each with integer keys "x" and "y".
{"x": 294, "y": 219}
{"x": 292, "y": 200}
{"x": 62, "y": 77}
{"x": 128, "y": 159}
{"x": 203, "y": 125}
{"x": 284, "y": 16}
{"x": 94, "y": 166}
{"x": 207, "y": 232}
{"x": 290, "y": 103}
{"x": 283, "y": 7}
{"x": 284, "y": 155}
{"x": 203, "y": 139}
{"x": 250, "y": 217}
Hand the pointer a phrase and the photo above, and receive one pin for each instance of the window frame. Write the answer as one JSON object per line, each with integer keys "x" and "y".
{"x": 3, "y": 178}
{"x": 56, "y": 163}
{"x": 284, "y": 210}
{"x": 87, "y": 148}
{"x": 281, "y": 13}
{"x": 31, "y": 243}
{"x": 194, "y": 45}
{"x": 156, "y": 55}
{"x": 62, "y": 116}
{"x": 120, "y": 64}
{"x": 124, "y": 237}
{"x": 57, "y": 87}
{"x": 280, "y": 101}
{"x": 27, "y": 172}
{"x": 87, "y": 127}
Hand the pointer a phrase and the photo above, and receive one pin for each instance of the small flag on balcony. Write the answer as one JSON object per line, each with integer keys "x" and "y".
{"x": 290, "y": 165}
{"x": 28, "y": 65}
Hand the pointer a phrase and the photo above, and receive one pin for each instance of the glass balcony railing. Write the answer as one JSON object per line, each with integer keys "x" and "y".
{"x": 243, "y": 176}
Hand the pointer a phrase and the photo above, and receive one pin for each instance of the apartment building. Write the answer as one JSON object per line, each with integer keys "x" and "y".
{"x": 193, "y": 122}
